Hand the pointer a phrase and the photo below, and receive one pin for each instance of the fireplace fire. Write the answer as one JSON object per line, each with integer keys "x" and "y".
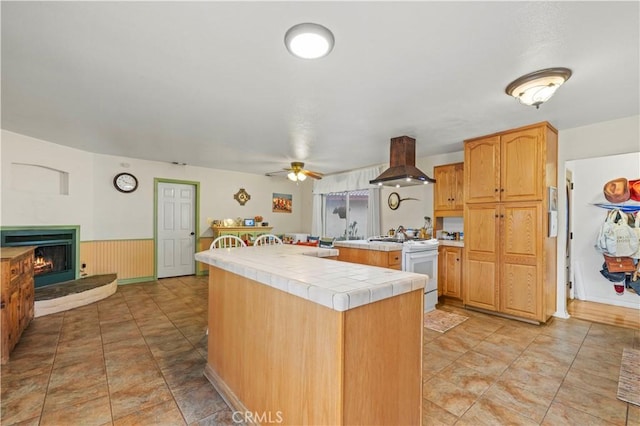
{"x": 42, "y": 265}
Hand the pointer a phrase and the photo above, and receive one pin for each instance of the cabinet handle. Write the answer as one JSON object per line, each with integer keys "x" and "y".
{"x": 496, "y": 215}
{"x": 2, "y": 305}
{"x": 501, "y": 189}
{"x": 496, "y": 189}
{"x": 501, "y": 216}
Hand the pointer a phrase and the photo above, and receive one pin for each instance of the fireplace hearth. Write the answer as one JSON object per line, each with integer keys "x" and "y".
{"x": 55, "y": 254}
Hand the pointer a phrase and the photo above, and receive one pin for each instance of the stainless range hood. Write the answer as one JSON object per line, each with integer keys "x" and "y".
{"x": 402, "y": 169}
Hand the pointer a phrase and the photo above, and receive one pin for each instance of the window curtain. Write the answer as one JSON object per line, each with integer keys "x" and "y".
{"x": 350, "y": 181}
{"x": 317, "y": 217}
{"x": 373, "y": 213}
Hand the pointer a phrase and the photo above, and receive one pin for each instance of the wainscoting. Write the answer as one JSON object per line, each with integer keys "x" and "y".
{"x": 131, "y": 260}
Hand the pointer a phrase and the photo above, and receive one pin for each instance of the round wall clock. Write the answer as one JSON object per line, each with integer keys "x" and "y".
{"x": 125, "y": 182}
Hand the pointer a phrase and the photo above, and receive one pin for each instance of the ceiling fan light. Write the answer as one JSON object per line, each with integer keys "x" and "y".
{"x": 309, "y": 41}
{"x": 538, "y": 87}
{"x": 292, "y": 176}
{"x": 301, "y": 176}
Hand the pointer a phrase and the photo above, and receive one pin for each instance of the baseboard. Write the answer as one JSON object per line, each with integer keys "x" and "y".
{"x": 227, "y": 394}
{"x": 135, "y": 280}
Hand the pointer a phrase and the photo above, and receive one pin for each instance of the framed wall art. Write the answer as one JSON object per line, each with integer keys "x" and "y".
{"x": 282, "y": 203}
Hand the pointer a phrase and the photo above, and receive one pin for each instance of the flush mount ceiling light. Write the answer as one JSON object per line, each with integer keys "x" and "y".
{"x": 537, "y": 87}
{"x": 309, "y": 41}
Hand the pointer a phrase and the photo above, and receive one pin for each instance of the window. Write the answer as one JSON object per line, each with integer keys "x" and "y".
{"x": 345, "y": 215}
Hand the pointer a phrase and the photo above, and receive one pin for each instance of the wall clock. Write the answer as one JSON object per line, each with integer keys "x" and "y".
{"x": 125, "y": 182}
{"x": 394, "y": 200}
{"x": 242, "y": 196}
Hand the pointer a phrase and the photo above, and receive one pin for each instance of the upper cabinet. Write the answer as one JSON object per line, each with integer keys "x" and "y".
{"x": 448, "y": 191}
{"x": 509, "y": 166}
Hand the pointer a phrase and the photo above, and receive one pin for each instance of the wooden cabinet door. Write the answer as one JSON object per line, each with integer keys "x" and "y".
{"x": 442, "y": 270}
{"x": 521, "y": 248}
{"x": 482, "y": 170}
{"x": 458, "y": 188}
{"x": 522, "y": 163}
{"x": 10, "y": 324}
{"x": 445, "y": 180}
{"x": 452, "y": 260}
{"x": 481, "y": 268}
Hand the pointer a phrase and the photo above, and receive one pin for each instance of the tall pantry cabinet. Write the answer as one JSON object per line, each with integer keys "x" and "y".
{"x": 510, "y": 260}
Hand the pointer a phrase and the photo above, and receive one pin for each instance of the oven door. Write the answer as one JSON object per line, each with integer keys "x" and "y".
{"x": 423, "y": 262}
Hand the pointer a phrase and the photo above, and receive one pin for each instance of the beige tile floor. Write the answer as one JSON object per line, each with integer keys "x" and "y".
{"x": 137, "y": 357}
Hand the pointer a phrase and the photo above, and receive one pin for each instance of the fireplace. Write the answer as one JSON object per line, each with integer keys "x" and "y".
{"x": 55, "y": 254}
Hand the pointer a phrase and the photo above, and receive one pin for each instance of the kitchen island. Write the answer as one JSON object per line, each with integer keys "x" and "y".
{"x": 298, "y": 339}
{"x": 374, "y": 253}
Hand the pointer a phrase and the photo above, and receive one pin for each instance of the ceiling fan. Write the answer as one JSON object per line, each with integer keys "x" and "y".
{"x": 297, "y": 172}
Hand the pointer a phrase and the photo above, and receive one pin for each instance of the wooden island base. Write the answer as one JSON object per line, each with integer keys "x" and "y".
{"x": 278, "y": 358}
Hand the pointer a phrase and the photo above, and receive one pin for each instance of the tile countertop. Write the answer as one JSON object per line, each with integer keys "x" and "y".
{"x": 369, "y": 245}
{"x": 453, "y": 243}
{"x": 299, "y": 270}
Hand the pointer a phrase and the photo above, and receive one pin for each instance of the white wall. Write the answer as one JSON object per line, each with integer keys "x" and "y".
{"x": 104, "y": 213}
{"x": 596, "y": 140}
{"x": 411, "y": 213}
{"x": 589, "y": 176}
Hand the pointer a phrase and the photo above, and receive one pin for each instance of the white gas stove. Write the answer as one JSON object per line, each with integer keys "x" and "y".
{"x": 421, "y": 256}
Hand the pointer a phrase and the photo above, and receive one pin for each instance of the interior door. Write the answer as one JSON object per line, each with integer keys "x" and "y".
{"x": 176, "y": 228}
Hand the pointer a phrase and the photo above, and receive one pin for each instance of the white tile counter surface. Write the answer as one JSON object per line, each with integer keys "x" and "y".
{"x": 369, "y": 245}
{"x": 299, "y": 270}
{"x": 452, "y": 243}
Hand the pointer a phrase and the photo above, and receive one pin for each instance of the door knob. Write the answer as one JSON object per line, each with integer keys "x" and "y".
{"x": 193, "y": 233}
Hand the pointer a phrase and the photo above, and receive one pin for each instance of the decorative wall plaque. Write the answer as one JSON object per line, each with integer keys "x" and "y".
{"x": 242, "y": 196}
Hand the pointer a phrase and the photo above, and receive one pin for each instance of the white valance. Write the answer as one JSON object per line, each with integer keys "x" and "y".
{"x": 348, "y": 181}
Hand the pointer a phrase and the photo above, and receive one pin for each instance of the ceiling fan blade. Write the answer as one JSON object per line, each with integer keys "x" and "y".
{"x": 311, "y": 174}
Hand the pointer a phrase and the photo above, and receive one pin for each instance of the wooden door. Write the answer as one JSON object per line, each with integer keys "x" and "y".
{"x": 442, "y": 270}
{"x": 457, "y": 192}
{"x": 521, "y": 260}
{"x": 176, "y": 229}
{"x": 480, "y": 267}
{"x": 482, "y": 170}
{"x": 522, "y": 165}
{"x": 445, "y": 180}
{"x": 453, "y": 266}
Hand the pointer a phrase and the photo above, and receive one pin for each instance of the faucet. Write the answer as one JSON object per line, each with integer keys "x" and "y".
{"x": 400, "y": 233}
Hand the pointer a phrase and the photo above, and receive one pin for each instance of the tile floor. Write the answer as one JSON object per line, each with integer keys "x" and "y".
{"x": 137, "y": 357}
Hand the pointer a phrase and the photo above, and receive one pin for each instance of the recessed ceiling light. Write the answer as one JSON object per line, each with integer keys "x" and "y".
{"x": 537, "y": 87}
{"x": 309, "y": 41}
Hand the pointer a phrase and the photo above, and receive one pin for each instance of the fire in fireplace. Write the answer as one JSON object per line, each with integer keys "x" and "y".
{"x": 55, "y": 254}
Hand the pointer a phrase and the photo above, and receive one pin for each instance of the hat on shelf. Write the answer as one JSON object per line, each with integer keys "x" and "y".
{"x": 617, "y": 190}
{"x": 634, "y": 189}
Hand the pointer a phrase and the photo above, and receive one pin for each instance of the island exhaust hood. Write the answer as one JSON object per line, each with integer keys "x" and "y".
{"x": 402, "y": 169}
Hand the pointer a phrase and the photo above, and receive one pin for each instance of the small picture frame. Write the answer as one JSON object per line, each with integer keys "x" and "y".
{"x": 249, "y": 222}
